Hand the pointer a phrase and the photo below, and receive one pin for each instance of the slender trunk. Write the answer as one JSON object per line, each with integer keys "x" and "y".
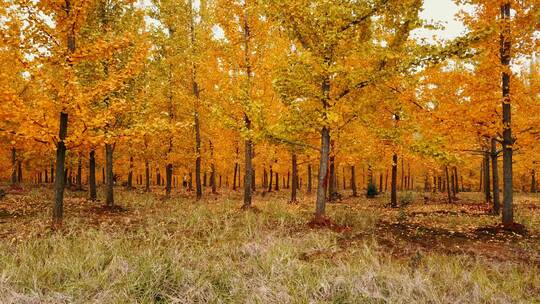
{"x": 59, "y": 185}
{"x": 19, "y": 173}
{"x": 402, "y": 175}
{"x": 294, "y": 188}
{"x": 92, "y": 175}
{"x": 198, "y": 184}
{"x": 79, "y": 173}
{"x": 456, "y": 190}
{"x": 393, "y": 194}
{"x": 495, "y": 170}
{"x": 265, "y": 179}
{"x": 332, "y": 191}
{"x": 168, "y": 179}
{"x": 322, "y": 179}
{"x": 380, "y": 182}
{"x": 213, "y": 178}
{"x": 276, "y": 185}
{"x": 386, "y": 180}
{"x": 52, "y": 173}
{"x": 448, "y": 188}
{"x": 309, "y": 177}
{"x": 147, "y": 176}
{"x": 109, "y": 149}
{"x": 248, "y": 163}
{"x": 14, "y": 179}
{"x": 344, "y": 180}
{"x": 130, "y": 174}
{"x": 271, "y": 175}
{"x": 533, "y": 181}
{"x": 453, "y": 183}
{"x": 481, "y": 184}
{"x": 234, "y": 176}
{"x": 353, "y": 181}
{"x": 508, "y": 210}
{"x": 487, "y": 178}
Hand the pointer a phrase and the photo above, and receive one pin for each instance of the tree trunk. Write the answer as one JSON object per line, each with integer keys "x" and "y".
{"x": 386, "y": 180}
{"x": 265, "y": 179}
{"x": 234, "y": 175}
{"x": 309, "y": 178}
{"x": 294, "y": 188}
{"x": 130, "y": 174}
{"x": 453, "y": 183}
{"x": 52, "y": 173}
{"x": 168, "y": 179}
{"x": 92, "y": 175}
{"x": 487, "y": 179}
{"x": 393, "y": 194}
{"x": 353, "y": 181}
{"x": 14, "y": 179}
{"x": 59, "y": 185}
{"x": 508, "y": 210}
{"x": 322, "y": 179}
{"x": 495, "y": 170}
{"x": 402, "y": 174}
{"x": 109, "y": 149}
{"x": 19, "y": 173}
{"x": 79, "y": 174}
{"x": 271, "y": 175}
{"x": 456, "y": 190}
{"x": 448, "y": 188}
{"x": 147, "y": 176}
{"x": 332, "y": 191}
{"x": 276, "y": 185}
{"x": 248, "y": 163}
{"x": 533, "y": 181}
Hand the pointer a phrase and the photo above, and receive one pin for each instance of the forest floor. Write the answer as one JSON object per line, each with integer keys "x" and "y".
{"x": 152, "y": 250}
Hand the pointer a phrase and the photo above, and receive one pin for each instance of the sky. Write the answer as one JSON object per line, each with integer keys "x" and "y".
{"x": 444, "y": 12}
{"x": 438, "y": 11}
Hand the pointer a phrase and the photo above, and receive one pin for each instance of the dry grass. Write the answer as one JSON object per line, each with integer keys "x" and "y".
{"x": 179, "y": 251}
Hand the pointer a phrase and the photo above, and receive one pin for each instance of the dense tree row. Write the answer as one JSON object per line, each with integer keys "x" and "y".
{"x": 260, "y": 95}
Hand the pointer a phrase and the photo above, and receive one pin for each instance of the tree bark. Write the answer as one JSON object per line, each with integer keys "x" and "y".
{"x": 309, "y": 178}
{"x": 533, "y": 181}
{"x": 79, "y": 174}
{"x": 353, "y": 181}
{"x": 14, "y": 179}
{"x": 294, "y": 187}
{"x": 508, "y": 210}
{"x": 248, "y": 163}
{"x": 495, "y": 170}
{"x": 448, "y": 188}
{"x": 393, "y": 194}
{"x": 271, "y": 175}
{"x": 234, "y": 175}
{"x": 92, "y": 175}
{"x": 109, "y": 150}
{"x": 322, "y": 179}
{"x": 130, "y": 174}
{"x": 19, "y": 172}
{"x": 487, "y": 178}
{"x": 168, "y": 179}
{"x": 332, "y": 191}
{"x": 147, "y": 176}
{"x": 59, "y": 185}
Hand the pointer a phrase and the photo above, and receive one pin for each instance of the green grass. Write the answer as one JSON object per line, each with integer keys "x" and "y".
{"x": 179, "y": 251}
